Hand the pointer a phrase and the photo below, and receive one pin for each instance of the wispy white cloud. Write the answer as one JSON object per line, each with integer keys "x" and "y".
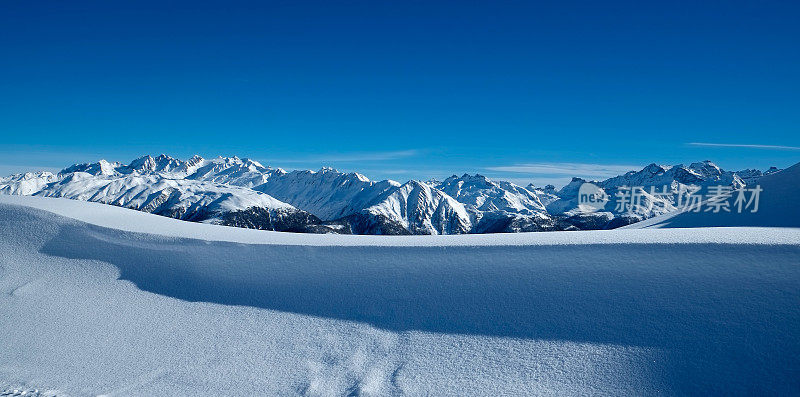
{"x": 558, "y": 182}
{"x": 584, "y": 170}
{"x": 353, "y": 156}
{"x": 767, "y": 147}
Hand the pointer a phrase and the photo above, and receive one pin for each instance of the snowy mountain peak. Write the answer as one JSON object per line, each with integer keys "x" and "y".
{"x": 101, "y": 167}
{"x": 656, "y": 169}
{"x": 476, "y": 179}
{"x": 253, "y": 164}
{"x": 751, "y": 176}
{"x": 149, "y": 164}
{"x": 571, "y": 189}
{"x": 360, "y": 177}
{"x": 422, "y": 209}
{"x": 327, "y": 193}
{"x": 415, "y": 184}
{"x": 330, "y": 172}
{"x": 699, "y": 173}
{"x": 480, "y": 194}
{"x": 706, "y": 168}
{"x": 144, "y": 163}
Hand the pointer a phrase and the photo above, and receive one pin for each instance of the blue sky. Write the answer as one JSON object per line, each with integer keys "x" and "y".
{"x": 524, "y": 91}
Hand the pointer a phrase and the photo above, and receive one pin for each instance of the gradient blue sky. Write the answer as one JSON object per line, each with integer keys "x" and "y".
{"x": 524, "y": 91}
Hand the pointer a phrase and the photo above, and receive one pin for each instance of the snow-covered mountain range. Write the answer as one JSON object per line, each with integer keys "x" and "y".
{"x": 777, "y": 207}
{"x": 244, "y": 193}
{"x": 655, "y": 182}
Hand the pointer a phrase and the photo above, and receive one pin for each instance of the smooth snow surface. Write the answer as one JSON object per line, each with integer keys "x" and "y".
{"x": 102, "y": 308}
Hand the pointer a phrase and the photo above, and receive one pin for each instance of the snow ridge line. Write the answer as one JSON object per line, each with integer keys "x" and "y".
{"x": 139, "y": 222}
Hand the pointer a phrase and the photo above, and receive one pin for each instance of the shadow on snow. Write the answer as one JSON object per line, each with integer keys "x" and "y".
{"x": 731, "y": 310}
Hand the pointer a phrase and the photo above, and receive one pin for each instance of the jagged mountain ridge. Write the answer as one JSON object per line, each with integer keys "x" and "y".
{"x": 422, "y": 209}
{"x": 160, "y": 194}
{"x": 245, "y": 193}
{"x": 654, "y": 178}
{"x": 751, "y": 176}
{"x": 327, "y": 193}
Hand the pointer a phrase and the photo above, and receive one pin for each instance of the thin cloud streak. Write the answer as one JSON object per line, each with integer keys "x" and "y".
{"x": 354, "y": 157}
{"x": 767, "y": 147}
{"x": 536, "y": 182}
{"x": 585, "y": 170}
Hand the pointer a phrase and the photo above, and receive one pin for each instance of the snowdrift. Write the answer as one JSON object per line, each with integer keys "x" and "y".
{"x": 103, "y": 308}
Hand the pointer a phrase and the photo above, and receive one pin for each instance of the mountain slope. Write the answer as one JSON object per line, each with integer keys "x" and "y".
{"x": 700, "y": 173}
{"x": 657, "y": 186}
{"x": 155, "y": 185}
{"x": 27, "y": 183}
{"x": 499, "y": 206}
{"x": 778, "y": 206}
{"x": 327, "y": 193}
{"x": 479, "y": 193}
{"x": 230, "y": 171}
{"x": 422, "y": 209}
{"x": 752, "y": 176}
